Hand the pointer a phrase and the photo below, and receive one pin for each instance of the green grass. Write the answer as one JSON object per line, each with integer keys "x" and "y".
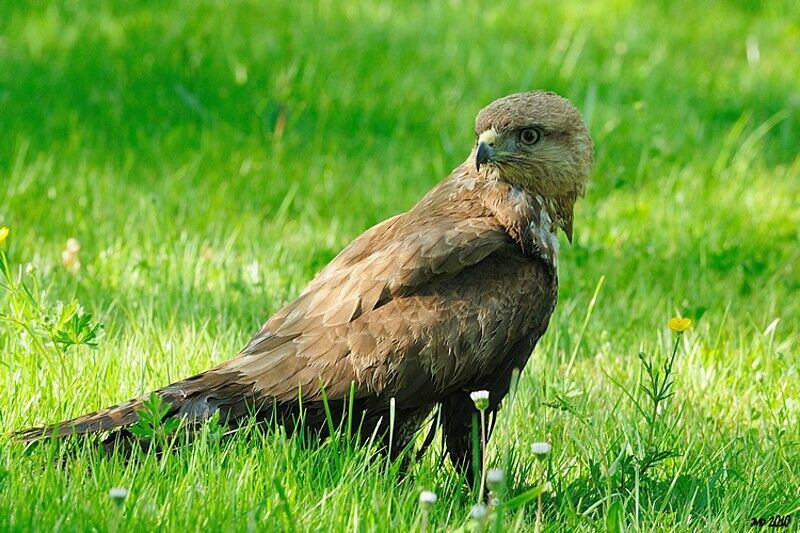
{"x": 210, "y": 158}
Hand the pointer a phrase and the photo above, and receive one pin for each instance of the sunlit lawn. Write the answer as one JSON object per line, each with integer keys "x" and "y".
{"x": 210, "y": 157}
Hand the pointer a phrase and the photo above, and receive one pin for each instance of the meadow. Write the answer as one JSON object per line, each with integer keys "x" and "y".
{"x": 209, "y": 157}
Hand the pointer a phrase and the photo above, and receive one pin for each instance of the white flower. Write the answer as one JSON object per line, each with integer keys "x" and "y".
{"x": 118, "y": 494}
{"x": 30, "y": 269}
{"x": 480, "y": 398}
{"x": 73, "y": 246}
{"x": 494, "y": 478}
{"x": 478, "y": 512}
{"x": 427, "y": 498}
{"x": 71, "y": 261}
{"x": 70, "y": 255}
{"x": 541, "y": 448}
{"x": 479, "y": 395}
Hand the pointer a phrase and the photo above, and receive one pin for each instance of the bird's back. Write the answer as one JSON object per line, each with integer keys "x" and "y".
{"x": 419, "y": 305}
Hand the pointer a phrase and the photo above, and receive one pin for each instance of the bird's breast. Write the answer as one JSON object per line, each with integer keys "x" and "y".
{"x": 529, "y": 220}
{"x": 542, "y": 233}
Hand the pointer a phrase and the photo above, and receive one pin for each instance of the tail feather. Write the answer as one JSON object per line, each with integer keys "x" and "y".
{"x": 114, "y": 417}
{"x": 195, "y": 398}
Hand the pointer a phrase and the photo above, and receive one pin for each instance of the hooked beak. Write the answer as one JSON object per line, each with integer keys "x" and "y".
{"x": 486, "y": 152}
{"x": 484, "y": 155}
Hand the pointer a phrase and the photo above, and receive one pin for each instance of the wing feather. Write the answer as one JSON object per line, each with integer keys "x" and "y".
{"x": 422, "y": 290}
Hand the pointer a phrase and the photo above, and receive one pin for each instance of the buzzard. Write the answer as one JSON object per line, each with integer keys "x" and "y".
{"x": 447, "y": 298}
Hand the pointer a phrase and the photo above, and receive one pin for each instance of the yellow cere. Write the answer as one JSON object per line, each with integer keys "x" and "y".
{"x": 489, "y": 137}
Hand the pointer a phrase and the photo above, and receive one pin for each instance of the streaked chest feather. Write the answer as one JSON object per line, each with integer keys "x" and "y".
{"x": 530, "y": 223}
{"x": 544, "y": 233}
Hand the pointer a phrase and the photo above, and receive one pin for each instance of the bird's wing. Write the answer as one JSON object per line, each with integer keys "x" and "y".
{"x": 318, "y": 339}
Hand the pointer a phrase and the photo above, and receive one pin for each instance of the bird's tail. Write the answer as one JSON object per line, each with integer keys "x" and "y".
{"x": 195, "y": 398}
{"x": 116, "y": 416}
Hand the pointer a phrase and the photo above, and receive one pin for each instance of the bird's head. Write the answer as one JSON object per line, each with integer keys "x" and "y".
{"x": 536, "y": 141}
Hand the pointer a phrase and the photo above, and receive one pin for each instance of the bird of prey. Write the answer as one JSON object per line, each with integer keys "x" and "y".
{"x": 447, "y": 298}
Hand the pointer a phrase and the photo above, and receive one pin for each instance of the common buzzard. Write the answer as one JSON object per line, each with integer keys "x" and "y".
{"x": 446, "y": 298}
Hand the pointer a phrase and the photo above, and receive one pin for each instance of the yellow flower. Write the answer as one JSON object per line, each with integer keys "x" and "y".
{"x": 3, "y": 234}
{"x": 679, "y": 324}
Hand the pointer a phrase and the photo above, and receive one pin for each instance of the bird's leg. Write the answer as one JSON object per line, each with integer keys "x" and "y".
{"x": 459, "y": 416}
{"x": 435, "y": 424}
{"x": 406, "y": 429}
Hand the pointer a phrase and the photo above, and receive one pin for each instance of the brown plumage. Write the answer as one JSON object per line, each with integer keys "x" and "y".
{"x": 425, "y": 307}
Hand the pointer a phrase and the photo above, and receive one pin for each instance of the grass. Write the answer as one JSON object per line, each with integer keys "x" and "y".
{"x": 210, "y": 158}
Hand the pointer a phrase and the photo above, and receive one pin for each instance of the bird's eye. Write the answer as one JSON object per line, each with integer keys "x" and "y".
{"x": 530, "y": 135}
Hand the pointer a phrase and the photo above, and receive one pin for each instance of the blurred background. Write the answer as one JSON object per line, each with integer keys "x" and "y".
{"x": 144, "y": 120}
